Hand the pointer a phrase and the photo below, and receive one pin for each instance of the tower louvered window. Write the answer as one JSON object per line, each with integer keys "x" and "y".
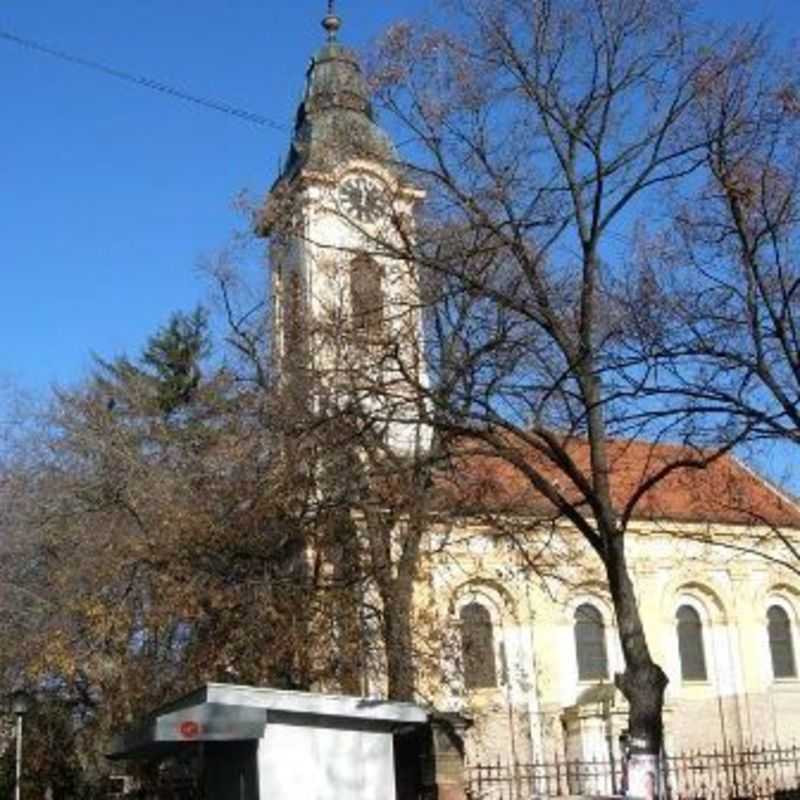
{"x": 366, "y": 289}
{"x": 590, "y": 643}
{"x": 781, "y": 646}
{"x": 477, "y": 647}
{"x": 690, "y": 645}
{"x": 295, "y": 319}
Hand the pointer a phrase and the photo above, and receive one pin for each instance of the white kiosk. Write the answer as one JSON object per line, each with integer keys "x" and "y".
{"x": 266, "y": 744}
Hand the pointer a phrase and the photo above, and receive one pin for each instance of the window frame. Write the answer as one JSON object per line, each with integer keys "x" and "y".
{"x": 295, "y": 318}
{"x": 788, "y": 611}
{"x": 703, "y": 626}
{"x": 600, "y": 618}
{"x": 367, "y": 297}
{"x": 490, "y": 645}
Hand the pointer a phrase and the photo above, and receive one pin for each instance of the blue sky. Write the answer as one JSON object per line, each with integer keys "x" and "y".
{"x": 110, "y": 194}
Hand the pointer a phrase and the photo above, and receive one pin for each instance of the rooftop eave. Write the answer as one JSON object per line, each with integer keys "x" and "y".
{"x": 223, "y": 712}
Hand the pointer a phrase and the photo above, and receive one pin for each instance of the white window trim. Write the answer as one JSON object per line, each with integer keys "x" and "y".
{"x": 484, "y": 597}
{"x": 614, "y": 659}
{"x": 707, "y": 625}
{"x": 780, "y": 599}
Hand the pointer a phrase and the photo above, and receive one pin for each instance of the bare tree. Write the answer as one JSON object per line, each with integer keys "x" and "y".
{"x": 715, "y": 308}
{"x": 727, "y": 267}
{"x": 540, "y": 131}
{"x": 371, "y": 503}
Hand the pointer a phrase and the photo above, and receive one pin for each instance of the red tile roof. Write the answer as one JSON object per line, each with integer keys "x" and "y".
{"x": 725, "y": 491}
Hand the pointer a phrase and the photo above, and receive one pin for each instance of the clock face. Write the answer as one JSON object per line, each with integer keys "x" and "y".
{"x": 363, "y": 199}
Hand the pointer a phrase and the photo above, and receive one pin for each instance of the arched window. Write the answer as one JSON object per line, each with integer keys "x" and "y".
{"x": 477, "y": 647}
{"x": 690, "y": 644}
{"x": 781, "y": 647}
{"x": 590, "y": 643}
{"x": 294, "y": 319}
{"x": 366, "y": 296}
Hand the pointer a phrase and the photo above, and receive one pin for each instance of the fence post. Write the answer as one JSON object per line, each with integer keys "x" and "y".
{"x": 666, "y": 761}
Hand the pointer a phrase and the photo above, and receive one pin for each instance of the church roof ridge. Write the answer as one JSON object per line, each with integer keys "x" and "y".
{"x": 726, "y": 491}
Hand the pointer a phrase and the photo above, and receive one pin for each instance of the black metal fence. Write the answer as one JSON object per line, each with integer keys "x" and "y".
{"x": 768, "y": 773}
{"x": 752, "y": 773}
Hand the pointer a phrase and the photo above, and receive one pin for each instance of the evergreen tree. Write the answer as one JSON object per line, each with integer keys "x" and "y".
{"x": 175, "y": 354}
{"x": 169, "y": 371}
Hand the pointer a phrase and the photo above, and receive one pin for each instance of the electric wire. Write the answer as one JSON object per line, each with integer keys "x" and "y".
{"x": 143, "y": 81}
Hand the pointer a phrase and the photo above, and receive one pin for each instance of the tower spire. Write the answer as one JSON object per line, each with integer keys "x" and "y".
{"x": 332, "y": 22}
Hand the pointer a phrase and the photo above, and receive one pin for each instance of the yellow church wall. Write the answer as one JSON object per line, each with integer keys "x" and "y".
{"x": 532, "y": 712}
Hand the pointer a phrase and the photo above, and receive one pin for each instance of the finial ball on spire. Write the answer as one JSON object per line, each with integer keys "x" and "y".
{"x": 332, "y": 22}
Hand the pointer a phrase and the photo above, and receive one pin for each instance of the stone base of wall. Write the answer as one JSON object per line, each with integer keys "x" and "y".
{"x": 737, "y": 721}
{"x": 587, "y": 731}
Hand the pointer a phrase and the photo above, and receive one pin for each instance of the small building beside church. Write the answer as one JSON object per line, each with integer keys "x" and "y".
{"x": 262, "y": 744}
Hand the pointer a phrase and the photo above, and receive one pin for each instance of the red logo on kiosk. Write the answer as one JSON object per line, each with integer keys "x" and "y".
{"x": 189, "y": 729}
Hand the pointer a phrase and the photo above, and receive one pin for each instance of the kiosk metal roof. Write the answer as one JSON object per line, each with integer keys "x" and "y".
{"x": 222, "y": 712}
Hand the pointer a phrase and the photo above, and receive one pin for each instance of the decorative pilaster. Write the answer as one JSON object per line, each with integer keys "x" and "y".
{"x": 444, "y": 775}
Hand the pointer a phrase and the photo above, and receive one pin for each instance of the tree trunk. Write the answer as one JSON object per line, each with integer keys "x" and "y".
{"x": 394, "y": 578}
{"x": 642, "y": 683}
{"x": 398, "y": 640}
{"x": 347, "y": 603}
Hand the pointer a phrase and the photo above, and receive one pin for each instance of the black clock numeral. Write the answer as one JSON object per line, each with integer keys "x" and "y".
{"x": 362, "y": 199}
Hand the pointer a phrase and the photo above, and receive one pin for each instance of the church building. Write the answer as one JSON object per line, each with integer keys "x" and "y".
{"x": 528, "y": 655}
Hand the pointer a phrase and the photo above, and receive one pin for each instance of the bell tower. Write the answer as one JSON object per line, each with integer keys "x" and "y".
{"x": 347, "y": 311}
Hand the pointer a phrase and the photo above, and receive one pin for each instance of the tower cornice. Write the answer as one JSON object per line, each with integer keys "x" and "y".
{"x": 285, "y": 199}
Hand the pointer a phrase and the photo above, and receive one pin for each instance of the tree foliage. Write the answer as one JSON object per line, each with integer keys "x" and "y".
{"x": 158, "y": 541}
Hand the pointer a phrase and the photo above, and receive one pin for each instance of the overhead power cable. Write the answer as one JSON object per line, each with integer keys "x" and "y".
{"x": 141, "y": 80}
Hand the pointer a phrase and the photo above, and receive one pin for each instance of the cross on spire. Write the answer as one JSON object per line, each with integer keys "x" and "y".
{"x": 332, "y": 22}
